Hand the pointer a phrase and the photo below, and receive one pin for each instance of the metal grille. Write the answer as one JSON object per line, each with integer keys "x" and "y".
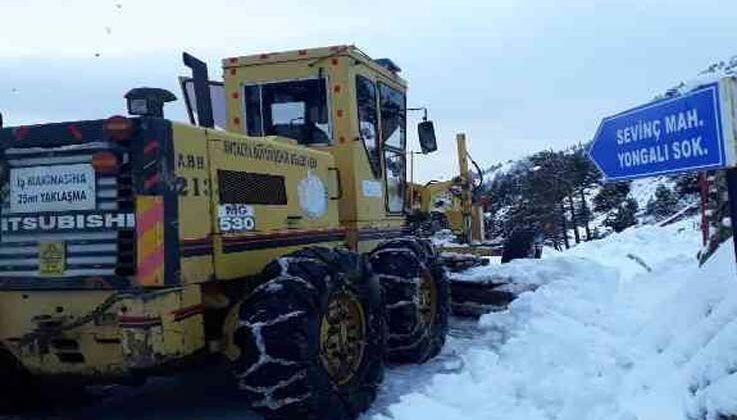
{"x": 98, "y": 253}
{"x": 251, "y": 188}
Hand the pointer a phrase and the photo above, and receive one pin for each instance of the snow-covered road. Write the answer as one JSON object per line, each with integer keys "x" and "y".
{"x": 625, "y": 328}
{"x": 208, "y": 395}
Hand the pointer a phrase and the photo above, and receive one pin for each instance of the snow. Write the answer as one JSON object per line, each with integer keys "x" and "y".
{"x": 444, "y": 237}
{"x": 501, "y": 170}
{"x": 711, "y": 75}
{"x": 642, "y": 190}
{"x": 628, "y": 327}
{"x": 654, "y": 245}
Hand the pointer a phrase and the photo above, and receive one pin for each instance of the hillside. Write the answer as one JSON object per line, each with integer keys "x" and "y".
{"x": 561, "y": 193}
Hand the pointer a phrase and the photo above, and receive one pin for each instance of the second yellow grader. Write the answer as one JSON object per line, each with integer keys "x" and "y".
{"x": 270, "y": 231}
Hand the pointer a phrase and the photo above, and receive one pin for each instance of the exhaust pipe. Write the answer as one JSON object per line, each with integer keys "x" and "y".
{"x": 201, "y": 90}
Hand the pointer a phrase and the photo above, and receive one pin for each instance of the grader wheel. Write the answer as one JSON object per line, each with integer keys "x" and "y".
{"x": 312, "y": 338}
{"x": 427, "y": 299}
{"x": 342, "y": 337}
{"x": 417, "y": 298}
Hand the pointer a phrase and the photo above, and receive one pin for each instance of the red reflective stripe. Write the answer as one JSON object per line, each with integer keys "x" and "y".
{"x": 138, "y": 321}
{"x": 74, "y": 132}
{"x": 282, "y": 234}
{"x": 21, "y": 132}
{"x": 151, "y": 181}
{"x": 188, "y": 312}
{"x": 150, "y": 147}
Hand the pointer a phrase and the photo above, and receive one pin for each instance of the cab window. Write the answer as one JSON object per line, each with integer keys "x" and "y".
{"x": 368, "y": 121}
{"x": 296, "y": 109}
{"x": 393, "y": 136}
{"x": 393, "y": 124}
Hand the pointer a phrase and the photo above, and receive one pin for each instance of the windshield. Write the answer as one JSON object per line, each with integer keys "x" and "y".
{"x": 296, "y": 109}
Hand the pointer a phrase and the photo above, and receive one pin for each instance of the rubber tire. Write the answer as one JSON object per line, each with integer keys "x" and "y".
{"x": 279, "y": 369}
{"x": 398, "y": 264}
{"x": 520, "y": 244}
{"x": 19, "y": 390}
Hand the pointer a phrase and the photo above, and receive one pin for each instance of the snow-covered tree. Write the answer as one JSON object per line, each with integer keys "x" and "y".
{"x": 624, "y": 216}
{"x": 663, "y": 204}
{"x": 611, "y": 196}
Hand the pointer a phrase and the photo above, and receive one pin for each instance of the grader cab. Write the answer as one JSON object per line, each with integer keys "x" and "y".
{"x": 270, "y": 232}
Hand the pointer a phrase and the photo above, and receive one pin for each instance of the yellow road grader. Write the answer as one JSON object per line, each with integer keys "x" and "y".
{"x": 450, "y": 204}
{"x": 270, "y": 231}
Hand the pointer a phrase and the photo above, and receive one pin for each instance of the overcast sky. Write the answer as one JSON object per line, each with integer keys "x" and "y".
{"x": 516, "y": 76}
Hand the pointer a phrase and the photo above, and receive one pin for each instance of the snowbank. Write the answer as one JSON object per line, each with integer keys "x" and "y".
{"x": 444, "y": 237}
{"x": 651, "y": 245}
{"x": 604, "y": 336}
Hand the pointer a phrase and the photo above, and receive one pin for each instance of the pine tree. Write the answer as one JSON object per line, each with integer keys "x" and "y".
{"x": 611, "y": 196}
{"x": 623, "y": 216}
{"x": 663, "y": 204}
{"x": 687, "y": 184}
{"x": 719, "y": 223}
{"x": 585, "y": 177}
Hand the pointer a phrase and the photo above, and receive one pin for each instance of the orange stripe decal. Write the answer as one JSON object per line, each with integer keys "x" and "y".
{"x": 147, "y": 219}
{"x": 153, "y": 262}
{"x": 150, "y": 240}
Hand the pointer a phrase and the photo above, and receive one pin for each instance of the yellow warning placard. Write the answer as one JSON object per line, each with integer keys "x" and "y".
{"x": 51, "y": 258}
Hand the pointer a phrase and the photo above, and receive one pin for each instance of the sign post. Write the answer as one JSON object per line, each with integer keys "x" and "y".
{"x": 732, "y": 192}
{"x": 690, "y": 132}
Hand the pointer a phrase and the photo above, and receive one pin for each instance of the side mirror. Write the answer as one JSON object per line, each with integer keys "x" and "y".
{"x": 426, "y": 134}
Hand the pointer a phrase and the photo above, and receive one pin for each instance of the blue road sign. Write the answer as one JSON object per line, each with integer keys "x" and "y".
{"x": 671, "y": 135}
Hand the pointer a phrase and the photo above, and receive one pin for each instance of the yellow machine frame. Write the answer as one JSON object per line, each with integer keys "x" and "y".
{"x": 161, "y": 319}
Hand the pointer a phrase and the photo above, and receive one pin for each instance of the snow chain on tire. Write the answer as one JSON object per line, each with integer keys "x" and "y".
{"x": 417, "y": 298}
{"x": 312, "y": 338}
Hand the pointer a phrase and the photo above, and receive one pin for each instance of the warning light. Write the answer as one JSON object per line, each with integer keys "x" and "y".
{"x": 105, "y": 162}
{"x": 118, "y": 127}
